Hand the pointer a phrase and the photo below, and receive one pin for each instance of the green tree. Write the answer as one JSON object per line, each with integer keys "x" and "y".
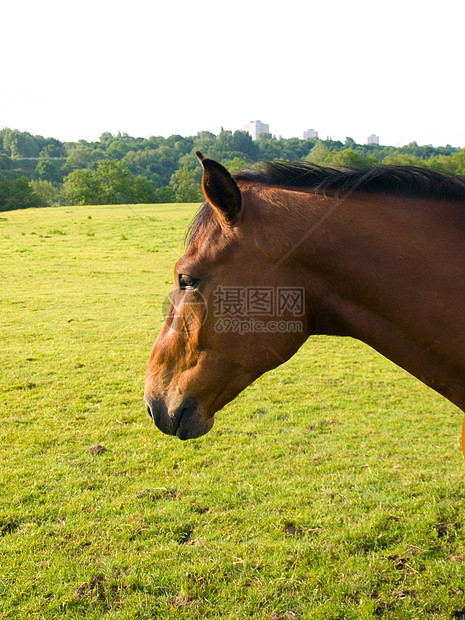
{"x": 53, "y": 149}
{"x": 116, "y": 182}
{"x": 143, "y": 190}
{"x": 165, "y": 194}
{"x": 268, "y": 148}
{"x": 83, "y": 156}
{"x": 293, "y": 148}
{"x": 402, "y": 159}
{"x": 111, "y": 183}
{"x": 454, "y": 163}
{"x": 45, "y": 192}
{"x": 205, "y": 142}
{"x": 347, "y": 157}
{"x": 319, "y": 153}
{"x": 20, "y": 144}
{"x": 151, "y": 164}
{"x": 5, "y": 162}
{"x": 16, "y": 194}
{"x": 117, "y": 149}
{"x": 185, "y": 185}
{"x": 82, "y": 187}
{"x": 224, "y": 141}
{"x": 242, "y": 142}
{"x": 236, "y": 164}
{"x": 49, "y": 171}
{"x": 458, "y": 161}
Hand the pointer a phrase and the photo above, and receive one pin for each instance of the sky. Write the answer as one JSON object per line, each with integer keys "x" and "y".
{"x": 75, "y": 69}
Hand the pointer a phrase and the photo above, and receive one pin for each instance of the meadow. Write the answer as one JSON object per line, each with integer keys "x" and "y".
{"x": 332, "y": 488}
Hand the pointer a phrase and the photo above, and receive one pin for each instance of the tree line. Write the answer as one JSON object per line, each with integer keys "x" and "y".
{"x": 37, "y": 171}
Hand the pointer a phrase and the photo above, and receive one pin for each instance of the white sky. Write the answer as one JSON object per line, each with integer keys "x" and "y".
{"x": 73, "y": 69}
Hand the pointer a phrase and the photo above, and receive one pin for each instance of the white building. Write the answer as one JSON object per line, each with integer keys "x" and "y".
{"x": 373, "y": 139}
{"x": 255, "y": 128}
{"x": 310, "y": 133}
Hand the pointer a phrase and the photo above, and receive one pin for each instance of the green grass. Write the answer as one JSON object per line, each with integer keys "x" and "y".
{"x": 332, "y": 488}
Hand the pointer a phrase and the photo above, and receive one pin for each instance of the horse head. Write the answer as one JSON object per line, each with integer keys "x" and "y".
{"x": 235, "y": 312}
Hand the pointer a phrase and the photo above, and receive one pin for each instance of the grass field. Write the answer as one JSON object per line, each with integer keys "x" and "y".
{"x": 332, "y": 488}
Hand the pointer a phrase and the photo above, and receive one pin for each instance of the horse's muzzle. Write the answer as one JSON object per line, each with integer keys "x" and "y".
{"x": 186, "y": 421}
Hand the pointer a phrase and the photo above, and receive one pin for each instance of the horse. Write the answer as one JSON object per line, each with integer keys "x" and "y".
{"x": 291, "y": 249}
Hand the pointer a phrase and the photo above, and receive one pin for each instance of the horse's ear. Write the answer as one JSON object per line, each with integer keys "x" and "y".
{"x": 220, "y": 189}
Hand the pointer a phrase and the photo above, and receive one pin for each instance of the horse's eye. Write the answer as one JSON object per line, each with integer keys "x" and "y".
{"x": 187, "y": 282}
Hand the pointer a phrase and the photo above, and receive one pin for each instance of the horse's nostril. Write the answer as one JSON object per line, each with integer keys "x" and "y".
{"x": 149, "y": 411}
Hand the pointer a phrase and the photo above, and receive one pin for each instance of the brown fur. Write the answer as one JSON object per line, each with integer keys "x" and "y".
{"x": 378, "y": 266}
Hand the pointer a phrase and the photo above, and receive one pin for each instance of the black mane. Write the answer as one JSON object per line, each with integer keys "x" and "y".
{"x": 200, "y": 223}
{"x": 407, "y": 181}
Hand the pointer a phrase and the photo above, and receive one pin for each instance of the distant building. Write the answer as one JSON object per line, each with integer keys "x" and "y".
{"x": 255, "y": 128}
{"x": 310, "y": 133}
{"x": 373, "y": 139}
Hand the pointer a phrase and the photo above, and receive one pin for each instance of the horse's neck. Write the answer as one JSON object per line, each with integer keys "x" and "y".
{"x": 389, "y": 274}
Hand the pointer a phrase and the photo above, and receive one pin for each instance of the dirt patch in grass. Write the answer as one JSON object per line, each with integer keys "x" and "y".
{"x": 398, "y": 562}
{"x": 98, "y": 449}
{"x": 182, "y": 600}
{"x": 156, "y": 494}
{"x": 8, "y": 526}
{"x": 292, "y": 530}
{"x": 446, "y": 531}
{"x": 91, "y": 590}
{"x": 185, "y": 537}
